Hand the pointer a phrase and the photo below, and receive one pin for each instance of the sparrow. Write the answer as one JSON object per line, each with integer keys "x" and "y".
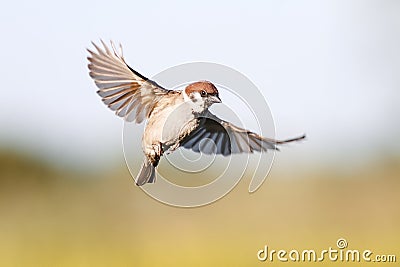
{"x": 175, "y": 118}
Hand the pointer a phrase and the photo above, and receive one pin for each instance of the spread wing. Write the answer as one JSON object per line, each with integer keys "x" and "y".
{"x": 124, "y": 90}
{"x": 216, "y": 136}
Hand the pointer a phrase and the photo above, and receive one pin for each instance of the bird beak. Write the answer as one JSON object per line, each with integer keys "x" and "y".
{"x": 215, "y": 99}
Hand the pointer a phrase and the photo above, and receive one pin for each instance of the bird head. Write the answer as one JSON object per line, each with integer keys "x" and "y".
{"x": 202, "y": 94}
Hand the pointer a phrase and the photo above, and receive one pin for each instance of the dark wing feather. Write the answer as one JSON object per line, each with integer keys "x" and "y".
{"x": 124, "y": 90}
{"x": 228, "y": 138}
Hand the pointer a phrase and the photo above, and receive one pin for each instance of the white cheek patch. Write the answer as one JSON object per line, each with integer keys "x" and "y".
{"x": 196, "y": 101}
{"x": 196, "y": 97}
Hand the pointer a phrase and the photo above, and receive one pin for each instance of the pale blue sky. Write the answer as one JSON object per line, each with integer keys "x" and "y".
{"x": 328, "y": 68}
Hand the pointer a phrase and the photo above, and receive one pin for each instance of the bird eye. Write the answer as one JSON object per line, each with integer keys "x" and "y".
{"x": 203, "y": 93}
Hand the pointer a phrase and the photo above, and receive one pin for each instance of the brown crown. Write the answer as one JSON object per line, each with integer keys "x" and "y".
{"x": 202, "y": 85}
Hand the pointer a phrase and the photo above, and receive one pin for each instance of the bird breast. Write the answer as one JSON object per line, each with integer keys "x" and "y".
{"x": 170, "y": 121}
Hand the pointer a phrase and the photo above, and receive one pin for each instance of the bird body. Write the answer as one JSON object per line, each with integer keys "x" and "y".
{"x": 165, "y": 128}
{"x": 174, "y": 118}
{"x": 171, "y": 115}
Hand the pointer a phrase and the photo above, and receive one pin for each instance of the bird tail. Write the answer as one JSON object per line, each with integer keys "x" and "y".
{"x": 147, "y": 173}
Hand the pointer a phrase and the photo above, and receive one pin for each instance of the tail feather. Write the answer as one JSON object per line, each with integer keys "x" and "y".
{"x": 147, "y": 173}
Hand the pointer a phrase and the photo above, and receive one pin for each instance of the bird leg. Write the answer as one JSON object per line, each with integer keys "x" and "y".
{"x": 154, "y": 154}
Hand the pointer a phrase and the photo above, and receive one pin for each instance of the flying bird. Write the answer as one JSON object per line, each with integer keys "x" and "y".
{"x": 175, "y": 118}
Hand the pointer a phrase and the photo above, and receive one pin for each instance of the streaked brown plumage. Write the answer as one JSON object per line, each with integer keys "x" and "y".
{"x": 174, "y": 118}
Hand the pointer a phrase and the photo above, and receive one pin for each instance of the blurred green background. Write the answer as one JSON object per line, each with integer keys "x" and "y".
{"x": 59, "y": 218}
{"x": 327, "y": 68}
